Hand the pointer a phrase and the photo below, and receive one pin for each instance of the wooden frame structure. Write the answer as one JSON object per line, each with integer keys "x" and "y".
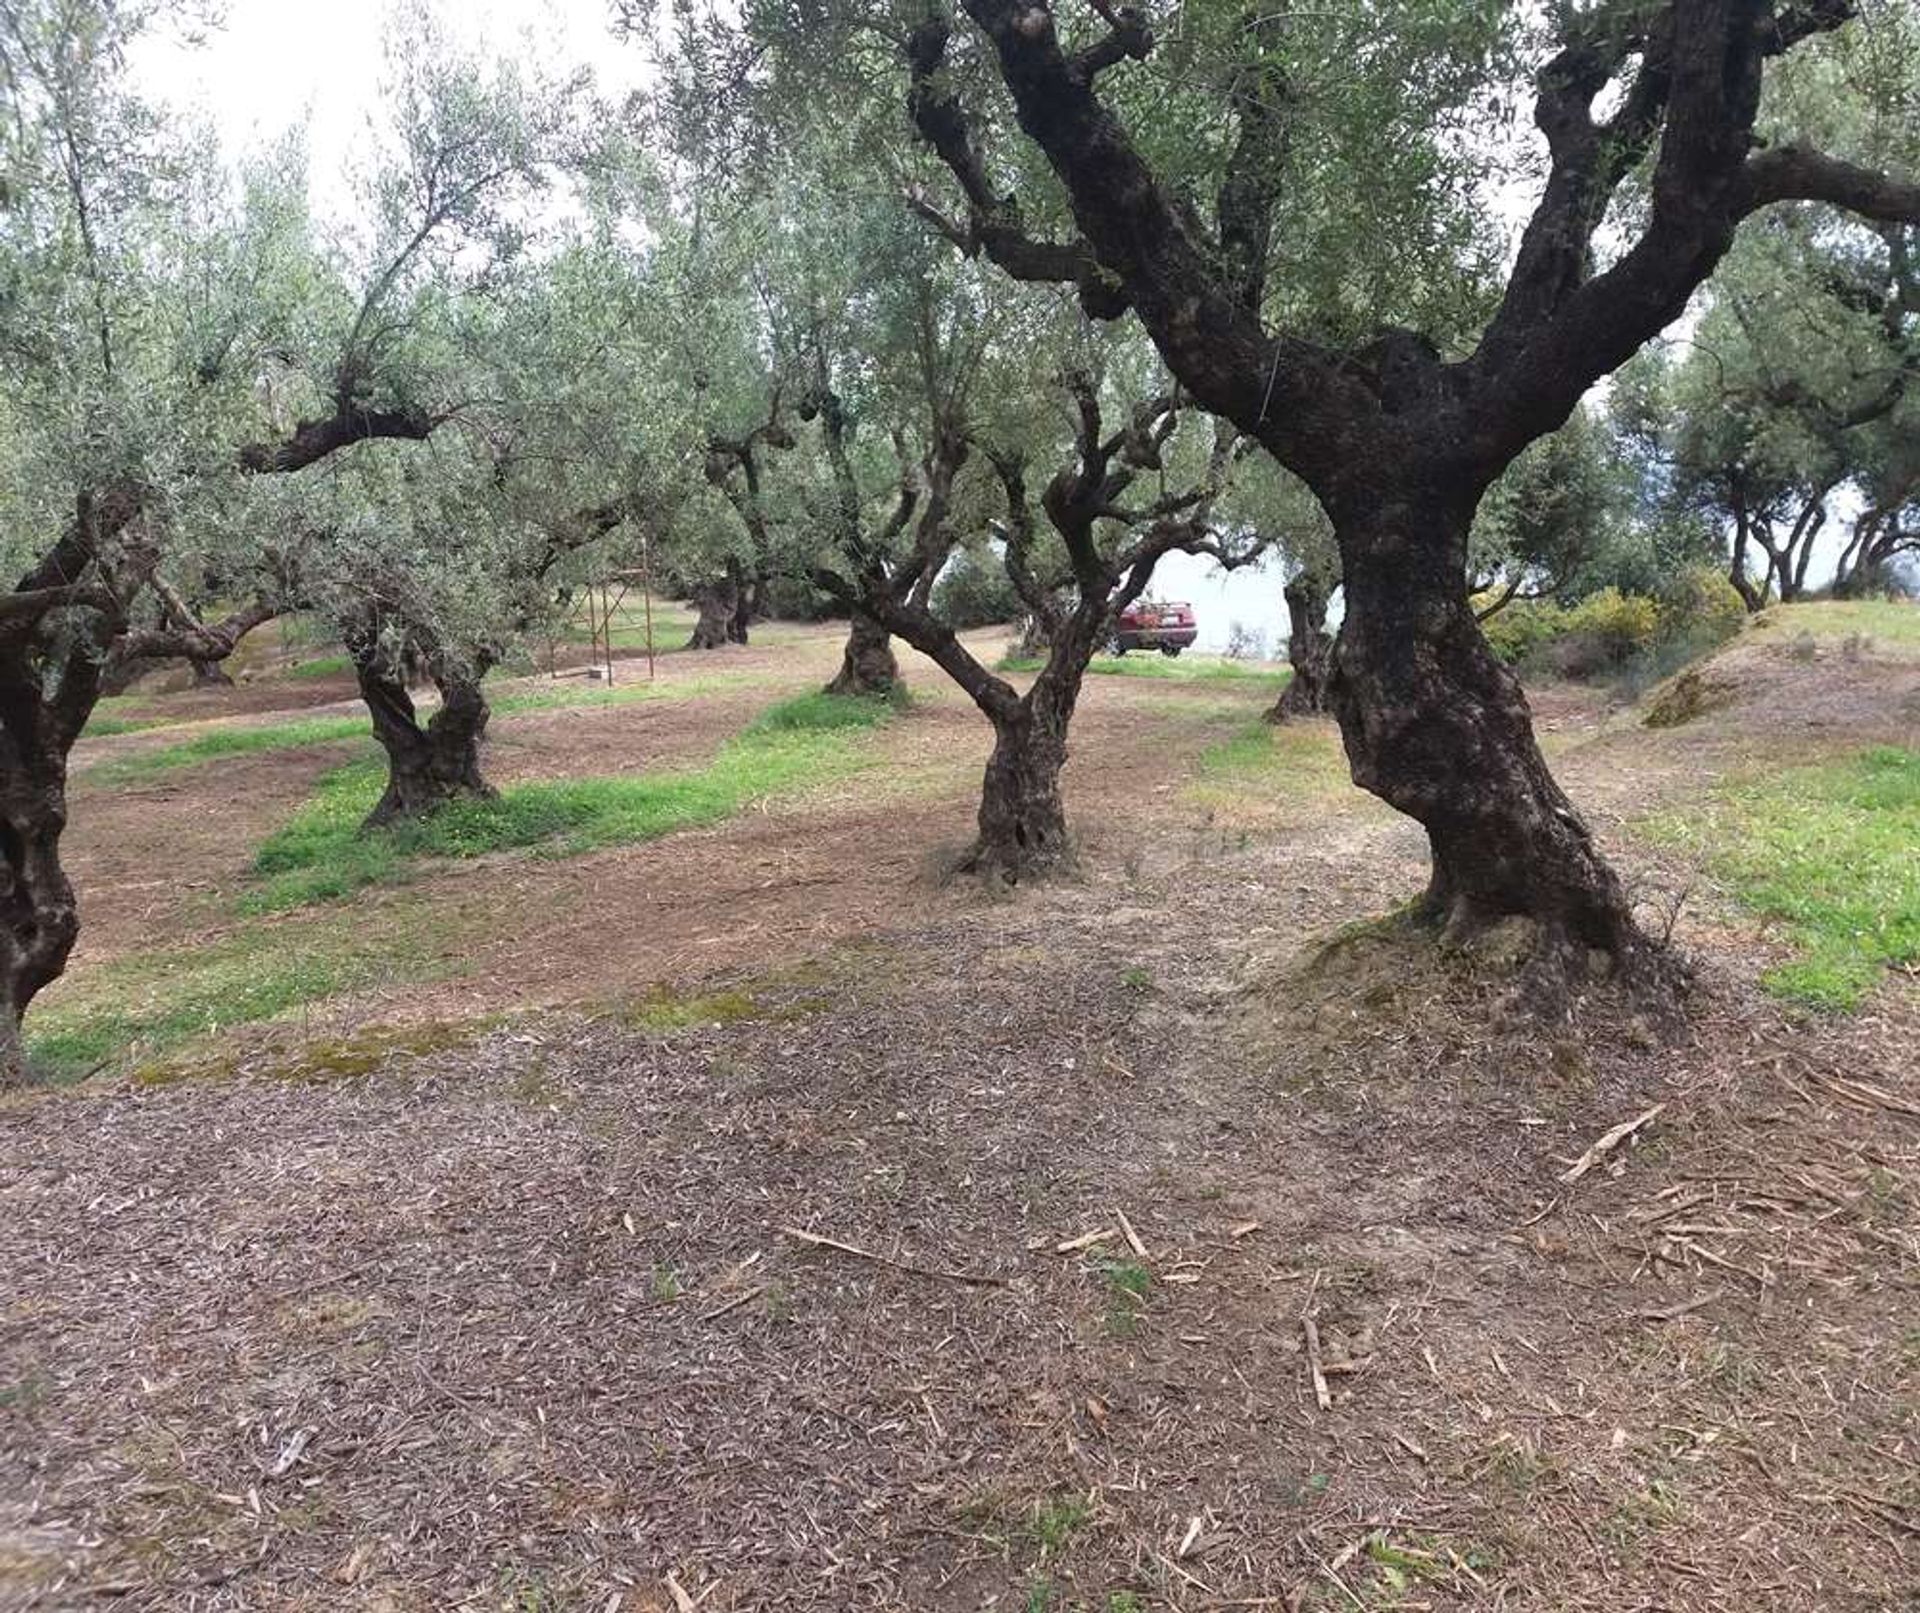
{"x": 599, "y": 601}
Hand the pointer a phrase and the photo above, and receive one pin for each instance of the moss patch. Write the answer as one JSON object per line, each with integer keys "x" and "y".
{"x": 331, "y": 1059}
{"x": 1694, "y": 693}
{"x": 665, "y": 1010}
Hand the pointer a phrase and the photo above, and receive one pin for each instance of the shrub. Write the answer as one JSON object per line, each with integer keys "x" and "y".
{"x": 1619, "y": 624}
{"x": 1520, "y": 626}
{"x": 1702, "y": 606}
{"x": 975, "y": 591}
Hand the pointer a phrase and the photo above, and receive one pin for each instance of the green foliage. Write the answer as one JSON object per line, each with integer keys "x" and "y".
{"x": 1828, "y": 853}
{"x": 1617, "y": 624}
{"x": 1701, "y": 603}
{"x": 1611, "y": 634}
{"x": 1521, "y": 626}
{"x": 975, "y": 591}
{"x": 1558, "y": 513}
{"x": 322, "y": 854}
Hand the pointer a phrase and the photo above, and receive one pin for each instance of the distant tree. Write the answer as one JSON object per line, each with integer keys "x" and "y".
{"x": 1272, "y": 501}
{"x": 1137, "y": 476}
{"x": 1556, "y": 522}
{"x": 974, "y": 589}
{"x": 163, "y": 349}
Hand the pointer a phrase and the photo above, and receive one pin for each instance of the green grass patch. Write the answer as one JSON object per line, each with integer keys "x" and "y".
{"x": 1271, "y": 765}
{"x": 138, "y": 1008}
{"x": 327, "y": 666}
{"x": 218, "y": 743}
{"x": 665, "y": 1010}
{"x": 1184, "y": 669}
{"x": 1828, "y": 854}
{"x": 118, "y": 714}
{"x": 1056, "y": 1519}
{"x": 322, "y": 855}
{"x": 1128, "y": 1283}
{"x": 1889, "y": 624}
{"x": 1151, "y": 664}
{"x": 565, "y": 694}
{"x": 824, "y": 714}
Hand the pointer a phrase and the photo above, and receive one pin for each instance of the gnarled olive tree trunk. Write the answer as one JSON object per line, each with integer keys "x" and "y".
{"x": 718, "y": 603}
{"x": 749, "y": 596}
{"x": 39, "y": 921}
{"x": 428, "y": 764}
{"x": 1023, "y": 820}
{"x": 868, "y": 665}
{"x": 1309, "y": 651}
{"x": 1438, "y": 727}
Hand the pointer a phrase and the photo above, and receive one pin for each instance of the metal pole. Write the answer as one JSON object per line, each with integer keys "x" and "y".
{"x": 646, "y": 593}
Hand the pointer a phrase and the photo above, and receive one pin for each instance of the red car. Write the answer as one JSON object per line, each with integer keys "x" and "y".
{"x": 1163, "y": 625}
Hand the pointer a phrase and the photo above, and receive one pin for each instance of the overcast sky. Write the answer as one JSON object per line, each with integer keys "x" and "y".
{"x": 272, "y": 65}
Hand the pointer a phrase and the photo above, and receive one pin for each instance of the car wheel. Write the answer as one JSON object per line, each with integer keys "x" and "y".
{"x": 1116, "y": 645}
{"x": 1169, "y": 650}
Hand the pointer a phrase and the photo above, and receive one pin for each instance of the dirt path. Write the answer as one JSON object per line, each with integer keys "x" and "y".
{"x": 515, "y": 1320}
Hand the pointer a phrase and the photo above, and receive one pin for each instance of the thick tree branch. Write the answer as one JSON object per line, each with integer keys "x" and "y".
{"x": 1262, "y": 104}
{"x": 351, "y": 421}
{"x": 190, "y": 638}
{"x": 27, "y": 606}
{"x": 994, "y": 223}
{"x": 1554, "y": 339}
{"x": 1291, "y": 393}
{"x": 1795, "y": 173}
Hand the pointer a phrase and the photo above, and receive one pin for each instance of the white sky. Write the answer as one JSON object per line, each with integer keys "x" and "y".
{"x": 272, "y": 65}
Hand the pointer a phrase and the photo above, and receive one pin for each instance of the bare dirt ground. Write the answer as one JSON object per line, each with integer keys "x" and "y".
{"x": 819, "y": 1235}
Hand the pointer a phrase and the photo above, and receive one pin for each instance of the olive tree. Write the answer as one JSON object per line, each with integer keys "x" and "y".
{"x": 164, "y": 342}
{"x": 1659, "y": 104}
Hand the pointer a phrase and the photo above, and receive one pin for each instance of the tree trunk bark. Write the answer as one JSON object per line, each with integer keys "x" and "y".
{"x": 1030, "y": 642}
{"x": 717, "y": 603}
{"x": 1755, "y": 599}
{"x": 431, "y": 765}
{"x": 751, "y": 594}
{"x": 742, "y": 617}
{"x": 1438, "y": 728}
{"x": 868, "y": 665}
{"x": 1023, "y": 822}
{"x": 210, "y": 675}
{"x": 1309, "y": 651}
{"x": 39, "y": 920}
